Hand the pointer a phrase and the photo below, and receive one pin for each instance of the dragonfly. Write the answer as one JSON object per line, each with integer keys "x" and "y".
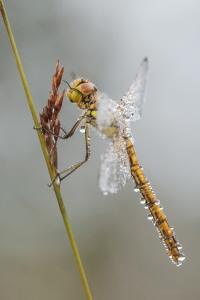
{"x": 112, "y": 120}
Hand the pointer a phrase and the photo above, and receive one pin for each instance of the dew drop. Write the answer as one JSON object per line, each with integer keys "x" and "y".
{"x": 179, "y": 247}
{"x": 82, "y": 129}
{"x": 146, "y": 206}
{"x": 181, "y": 257}
{"x": 150, "y": 217}
{"x": 105, "y": 193}
{"x": 158, "y": 230}
{"x": 142, "y": 201}
{"x": 58, "y": 180}
{"x": 157, "y": 202}
{"x": 136, "y": 189}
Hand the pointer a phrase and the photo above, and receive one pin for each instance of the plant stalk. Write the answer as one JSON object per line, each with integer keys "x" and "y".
{"x": 46, "y": 156}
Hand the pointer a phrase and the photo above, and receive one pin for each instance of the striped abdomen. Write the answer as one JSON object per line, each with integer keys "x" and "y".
{"x": 157, "y": 216}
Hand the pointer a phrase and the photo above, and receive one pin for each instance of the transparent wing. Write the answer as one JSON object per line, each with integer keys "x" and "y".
{"x": 115, "y": 168}
{"x": 133, "y": 101}
{"x": 109, "y": 115}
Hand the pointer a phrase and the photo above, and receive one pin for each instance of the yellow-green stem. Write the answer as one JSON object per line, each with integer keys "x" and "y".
{"x": 50, "y": 167}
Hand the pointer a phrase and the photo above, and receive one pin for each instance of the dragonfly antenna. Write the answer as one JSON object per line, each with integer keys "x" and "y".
{"x": 68, "y": 84}
{"x": 73, "y": 75}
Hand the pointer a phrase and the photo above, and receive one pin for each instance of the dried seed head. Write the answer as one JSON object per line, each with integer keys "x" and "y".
{"x": 49, "y": 118}
{"x": 57, "y": 77}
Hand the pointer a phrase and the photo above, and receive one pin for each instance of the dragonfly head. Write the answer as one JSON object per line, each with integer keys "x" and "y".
{"x": 82, "y": 92}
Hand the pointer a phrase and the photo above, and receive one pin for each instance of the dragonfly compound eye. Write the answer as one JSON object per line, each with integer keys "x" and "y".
{"x": 88, "y": 88}
{"x": 74, "y": 95}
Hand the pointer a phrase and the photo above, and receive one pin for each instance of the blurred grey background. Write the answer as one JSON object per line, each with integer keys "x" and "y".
{"x": 120, "y": 249}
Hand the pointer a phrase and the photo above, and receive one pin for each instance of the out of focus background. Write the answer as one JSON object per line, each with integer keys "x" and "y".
{"x": 123, "y": 257}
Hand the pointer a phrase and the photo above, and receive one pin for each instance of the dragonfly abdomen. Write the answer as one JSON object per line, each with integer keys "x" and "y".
{"x": 156, "y": 215}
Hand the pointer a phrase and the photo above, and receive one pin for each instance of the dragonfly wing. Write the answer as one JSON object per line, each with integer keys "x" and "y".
{"x": 133, "y": 101}
{"x": 115, "y": 168}
{"x": 109, "y": 114}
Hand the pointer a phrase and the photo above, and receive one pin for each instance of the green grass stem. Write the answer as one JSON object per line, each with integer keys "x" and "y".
{"x": 46, "y": 156}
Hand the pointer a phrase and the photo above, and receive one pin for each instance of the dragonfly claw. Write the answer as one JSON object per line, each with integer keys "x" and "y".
{"x": 37, "y": 128}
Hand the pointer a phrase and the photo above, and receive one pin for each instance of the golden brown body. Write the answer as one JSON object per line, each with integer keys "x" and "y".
{"x": 111, "y": 119}
{"x": 158, "y": 217}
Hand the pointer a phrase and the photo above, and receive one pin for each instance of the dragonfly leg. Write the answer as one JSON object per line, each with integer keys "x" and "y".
{"x": 65, "y": 132}
{"x": 87, "y": 155}
{"x": 71, "y": 132}
{"x": 66, "y": 135}
{"x": 50, "y": 132}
